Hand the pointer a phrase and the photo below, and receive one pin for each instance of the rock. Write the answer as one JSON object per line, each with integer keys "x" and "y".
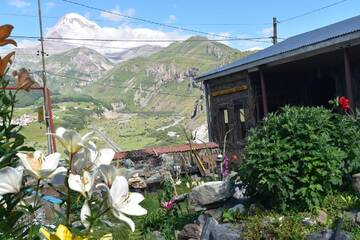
{"x": 208, "y": 226}
{"x": 351, "y": 215}
{"x": 200, "y": 134}
{"x": 154, "y": 178}
{"x": 308, "y": 221}
{"x": 322, "y": 217}
{"x": 128, "y": 163}
{"x": 215, "y": 213}
{"x": 211, "y": 192}
{"x": 225, "y": 232}
{"x": 201, "y": 220}
{"x": 240, "y": 208}
{"x": 239, "y": 193}
{"x": 190, "y": 231}
{"x": 158, "y": 235}
{"x": 356, "y": 182}
{"x": 326, "y": 235}
{"x": 357, "y": 220}
{"x": 137, "y": 182}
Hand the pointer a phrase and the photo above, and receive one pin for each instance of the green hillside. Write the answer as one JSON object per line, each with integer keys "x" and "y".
{"x": 163, "y": 81}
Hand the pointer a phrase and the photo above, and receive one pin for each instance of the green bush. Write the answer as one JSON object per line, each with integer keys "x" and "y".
{"x": 299, "y": 155}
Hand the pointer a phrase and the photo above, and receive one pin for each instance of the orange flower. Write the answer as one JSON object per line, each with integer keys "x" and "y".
{"x": 4, "y": 62}
{"x": 5, "y": 31}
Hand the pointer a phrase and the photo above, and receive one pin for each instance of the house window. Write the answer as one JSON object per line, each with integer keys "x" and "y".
{"x": 225, "y": 116}
{"x": 240, "y": 115}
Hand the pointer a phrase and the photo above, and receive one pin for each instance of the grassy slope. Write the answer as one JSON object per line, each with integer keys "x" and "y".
{"x": 161, "y": 110}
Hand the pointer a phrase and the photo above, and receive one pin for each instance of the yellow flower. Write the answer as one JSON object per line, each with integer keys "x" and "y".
{"x": 63, "y": 233}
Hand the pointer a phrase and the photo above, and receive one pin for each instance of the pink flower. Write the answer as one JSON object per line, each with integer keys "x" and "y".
{"x": 225, "y": 166}
{"x": 168, "y": 205}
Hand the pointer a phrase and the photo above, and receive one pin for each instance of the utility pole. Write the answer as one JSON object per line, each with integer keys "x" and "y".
{"x": 274, "y": 36}
{"x": 46, "y": 94}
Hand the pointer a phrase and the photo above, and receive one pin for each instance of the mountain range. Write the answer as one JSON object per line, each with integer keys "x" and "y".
{"x": 143, "y": 78}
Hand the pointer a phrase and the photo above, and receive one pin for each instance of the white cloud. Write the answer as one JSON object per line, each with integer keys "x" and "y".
{"x": 85, "y": 28}
{"x": 19, "y": 3}
{"x": 117, "y": 12}
{"x": 170, "y": 19}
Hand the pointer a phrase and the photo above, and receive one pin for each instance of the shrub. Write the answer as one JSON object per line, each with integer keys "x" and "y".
{"x": 299, "y": 155}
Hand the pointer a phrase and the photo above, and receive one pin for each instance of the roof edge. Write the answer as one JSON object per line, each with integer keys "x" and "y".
{"x": 342, "y": 39}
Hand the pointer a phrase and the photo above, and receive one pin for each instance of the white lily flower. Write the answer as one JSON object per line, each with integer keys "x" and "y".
{"x": 71, "y": 140}
{"x": 90, "y": 159}
{"x": 41, "y": 167}
{"x": 84, "y": 214}
{"x": 81, "y": 184}
{"x": 123, "y": 203}
{"x": 11, "y": 179}
{"x": 108, "y": 173}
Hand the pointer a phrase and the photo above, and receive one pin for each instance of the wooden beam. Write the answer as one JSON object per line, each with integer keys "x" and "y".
{"x": 348, "y": 78}
{"x": 208, "y": 111}
{"x": 229, "y": 91}
{"x": 12, "y": 88}
{"x": 263, "y": 92}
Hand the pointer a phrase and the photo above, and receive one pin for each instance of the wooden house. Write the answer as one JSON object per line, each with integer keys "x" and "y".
{"x": 308, "y": 69}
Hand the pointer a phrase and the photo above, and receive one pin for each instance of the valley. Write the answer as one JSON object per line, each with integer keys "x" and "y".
{"x": 139, "y": 98}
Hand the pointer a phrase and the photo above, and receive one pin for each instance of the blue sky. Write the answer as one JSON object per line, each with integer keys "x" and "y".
{"x": 187, "y": 13}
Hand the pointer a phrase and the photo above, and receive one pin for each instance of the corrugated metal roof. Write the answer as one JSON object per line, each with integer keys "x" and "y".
{"x": 326, "y": 33}
{"x": 170, "y": 149}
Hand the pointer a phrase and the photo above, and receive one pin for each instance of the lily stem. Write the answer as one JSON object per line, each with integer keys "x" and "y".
{"x": 68, "y": 200}
{"x": 97, "y": 217}
{"x": 34, "y": 208}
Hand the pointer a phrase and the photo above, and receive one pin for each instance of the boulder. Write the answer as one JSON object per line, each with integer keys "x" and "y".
{"x": 214, "y": 231}
{"x": 136, "y": 182}
{"x": 225, "y": 232}
{"x": 322, "y": 217}
{"x": 357, "y": 218}
{"x": 327, "y": 235}
{"x": 240, "y": 208}
{"x": 189, "y": 231}
{"x": 215, "y": 213}
{"x": 211, "y": 192}
{"x": 356, "y": 182}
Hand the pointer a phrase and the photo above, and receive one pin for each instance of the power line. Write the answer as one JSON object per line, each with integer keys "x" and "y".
{"x": 122, "y": 86}
{"x": 144, "y": 20}
{"x": 179, "y": 24}
{"x": 256, "y": 39}
{"x": 312, "y": 11}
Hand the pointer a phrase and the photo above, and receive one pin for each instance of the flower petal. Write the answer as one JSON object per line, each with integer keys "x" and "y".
{"x": 75, "y": 183}
{"x": 105, "y": 157}
{"x": 122, "y": 217}
{"x": 107, "y": 173}
{"x": 51, "y": 162}
{"x": 5, "y": 31}
{"x": 119, "y": 189}
{"x": 132, "y": 207}
{"x": 84, "y": 214}
{"x": 57, "y": 171}
{"x": 87, "y": 180}
{"x": 11, "y": 179}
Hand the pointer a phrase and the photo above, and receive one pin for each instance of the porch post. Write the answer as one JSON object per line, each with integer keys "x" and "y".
{"x": 263, "y": 92}
{"x": 348, "y": 78}
{"x": 206, "y": 93}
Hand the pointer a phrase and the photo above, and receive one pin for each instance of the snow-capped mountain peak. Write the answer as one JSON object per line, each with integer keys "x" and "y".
{"x": 73, "y": 25}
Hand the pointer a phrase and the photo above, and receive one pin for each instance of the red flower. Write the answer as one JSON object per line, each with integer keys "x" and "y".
{"x": 344, "y": 103}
